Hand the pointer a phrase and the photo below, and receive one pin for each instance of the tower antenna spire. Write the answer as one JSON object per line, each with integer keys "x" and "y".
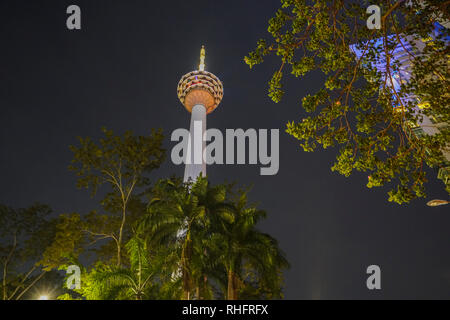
{"x": 201, "y": 66}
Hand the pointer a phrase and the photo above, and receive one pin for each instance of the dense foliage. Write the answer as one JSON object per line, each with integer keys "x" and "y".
{"x": 359, "y": 108}
{"x": 196, "y": 241}
{"x": 24, "y": 235}
{"x": 166, "y": 240}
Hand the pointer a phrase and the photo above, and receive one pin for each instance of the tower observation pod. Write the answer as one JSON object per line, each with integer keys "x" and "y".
{"x": 200, "y": 92}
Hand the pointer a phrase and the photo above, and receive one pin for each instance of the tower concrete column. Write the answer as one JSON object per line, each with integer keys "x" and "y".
{"x": 195, "y": 163}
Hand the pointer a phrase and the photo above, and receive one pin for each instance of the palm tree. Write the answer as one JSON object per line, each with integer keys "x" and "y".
{"x": 138, "y": 282}
{"x": 172, "y": 215}
{"x": 180, "y": 216}
{"x": 248, "y": 256}
{"x": 215, "y": 240}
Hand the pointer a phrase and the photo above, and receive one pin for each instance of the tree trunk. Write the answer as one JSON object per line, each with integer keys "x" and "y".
{"x": 186, "y": 277}
{"x": 185, "y": 295}
{"x": 205, "y": 293}
{"x": 232, "y": 290}
{"x": 235, "y": 287}
{"x": 119, "y": 241}
{"x": 197, "y": 293}
{"x": 118, "y": 254}
{"x": 5, "y": 266}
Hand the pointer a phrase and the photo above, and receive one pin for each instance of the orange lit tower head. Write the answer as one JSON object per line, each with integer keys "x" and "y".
{"x": 200, "y": 87}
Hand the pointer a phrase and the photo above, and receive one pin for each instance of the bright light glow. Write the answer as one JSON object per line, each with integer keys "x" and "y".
{"x": 435, "y": 203}
{"x": 43, "y": 297}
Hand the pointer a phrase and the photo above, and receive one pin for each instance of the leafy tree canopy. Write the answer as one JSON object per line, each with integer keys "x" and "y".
{"x": 196, "y": 241}
{"x": 212, "y": 230}
{"x": 24, "y": 235}
{"x": 122, "y": 165}
{"x": 355, "y": 107}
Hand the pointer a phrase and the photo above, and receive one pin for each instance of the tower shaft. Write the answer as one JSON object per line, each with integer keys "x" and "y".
{"x": 195, "y": 162}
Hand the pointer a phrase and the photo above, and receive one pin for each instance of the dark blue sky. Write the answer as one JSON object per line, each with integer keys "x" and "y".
{"x": 121, "y": 71}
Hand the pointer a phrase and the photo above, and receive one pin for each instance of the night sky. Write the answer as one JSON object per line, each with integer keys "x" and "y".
{"x": 121, "y": 71}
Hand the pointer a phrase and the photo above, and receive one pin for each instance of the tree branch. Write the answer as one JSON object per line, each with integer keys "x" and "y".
{"x": 31, "y": 284}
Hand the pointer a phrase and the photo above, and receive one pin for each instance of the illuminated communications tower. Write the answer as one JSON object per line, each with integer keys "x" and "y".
{"x": 200, "y": 92}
